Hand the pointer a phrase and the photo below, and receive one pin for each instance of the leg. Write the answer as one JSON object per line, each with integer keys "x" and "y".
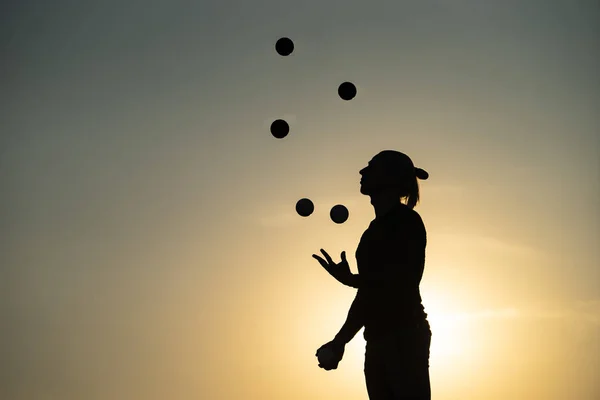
{"x": 375, "y": 372}
{"x": 407, "y": 365}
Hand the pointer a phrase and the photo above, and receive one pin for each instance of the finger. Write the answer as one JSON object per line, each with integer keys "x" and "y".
{"x": 321, "y": 261}
{"x": 329, "y": 260}
{"x": 343, "y": 256}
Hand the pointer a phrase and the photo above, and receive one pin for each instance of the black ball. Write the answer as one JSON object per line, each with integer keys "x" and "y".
{"x": 280, "y": 128}
{"x": 284, "y": 46}
{"x": 339, "y": 214}
{"x": 305, "y": 207}
{"x": 347, "y": 90}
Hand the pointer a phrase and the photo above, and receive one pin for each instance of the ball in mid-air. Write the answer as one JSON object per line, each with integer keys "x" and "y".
{"x": 280, "y": 129}
{"x": 339, "y": 214}
{"x": 347, "y": 91}
{"x": 305, "y": 207}
{"x": 284, "y": 46}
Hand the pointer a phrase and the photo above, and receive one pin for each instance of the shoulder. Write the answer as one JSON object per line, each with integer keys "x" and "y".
{"x": 416, "y": 219}
{"x": 408, "y": 216}
{"x": 408, "y": 222}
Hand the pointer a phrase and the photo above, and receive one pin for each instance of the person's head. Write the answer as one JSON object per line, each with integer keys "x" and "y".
{"x": 391, "y": 173}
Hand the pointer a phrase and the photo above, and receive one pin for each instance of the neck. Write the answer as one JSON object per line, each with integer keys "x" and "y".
{"x": 383, "y": 202}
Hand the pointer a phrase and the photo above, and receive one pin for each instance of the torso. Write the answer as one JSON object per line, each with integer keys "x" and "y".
{"x": 395, "y": 236}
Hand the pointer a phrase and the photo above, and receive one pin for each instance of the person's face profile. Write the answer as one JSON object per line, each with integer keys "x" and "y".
{"x": 371, "y": 176}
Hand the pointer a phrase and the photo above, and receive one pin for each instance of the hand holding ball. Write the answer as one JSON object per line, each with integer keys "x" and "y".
{"x": 329, "y": 355}
{"x": 325, "y": 356}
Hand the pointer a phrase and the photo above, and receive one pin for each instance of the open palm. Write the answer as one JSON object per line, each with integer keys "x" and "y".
{"x": 340, "y": 271}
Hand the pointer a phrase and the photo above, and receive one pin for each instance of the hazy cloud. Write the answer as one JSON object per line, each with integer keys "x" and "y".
{"x": 487, "y": 242}
{"x": 584, "y": 311}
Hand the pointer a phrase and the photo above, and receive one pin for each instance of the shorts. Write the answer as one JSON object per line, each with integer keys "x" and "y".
{"x": 397, "y": 365}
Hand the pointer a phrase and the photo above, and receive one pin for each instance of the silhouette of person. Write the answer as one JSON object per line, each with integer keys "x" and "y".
{"x": 390, "y": 260}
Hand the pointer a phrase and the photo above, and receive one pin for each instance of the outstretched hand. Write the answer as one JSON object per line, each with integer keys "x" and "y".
{"x": 340, "y": 271}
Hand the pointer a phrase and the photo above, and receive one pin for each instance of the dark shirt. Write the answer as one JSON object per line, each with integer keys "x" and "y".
{"x": 390, "y": 259}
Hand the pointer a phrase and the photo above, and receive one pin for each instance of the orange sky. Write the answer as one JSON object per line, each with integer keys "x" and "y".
{"x": 150, "y": 245}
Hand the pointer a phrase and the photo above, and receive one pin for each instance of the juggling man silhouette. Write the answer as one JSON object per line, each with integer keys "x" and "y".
{"x": 390, "y": 261}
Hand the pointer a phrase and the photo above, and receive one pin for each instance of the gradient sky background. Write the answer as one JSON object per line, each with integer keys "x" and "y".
{"x": 150, "y": 247}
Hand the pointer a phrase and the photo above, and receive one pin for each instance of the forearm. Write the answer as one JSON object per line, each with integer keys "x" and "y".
{"x": 354, "y": 322}
{"x": 358, "y": 281}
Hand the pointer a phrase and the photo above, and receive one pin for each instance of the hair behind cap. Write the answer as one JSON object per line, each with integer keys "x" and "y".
{"x": 412, "y": 198}
{"x": 401, "y": 167}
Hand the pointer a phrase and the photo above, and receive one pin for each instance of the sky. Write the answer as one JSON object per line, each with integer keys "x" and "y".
{"x": 150, "y": 247}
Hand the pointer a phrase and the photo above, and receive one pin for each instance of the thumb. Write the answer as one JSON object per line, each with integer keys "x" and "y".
{"x": 343, "y": 256}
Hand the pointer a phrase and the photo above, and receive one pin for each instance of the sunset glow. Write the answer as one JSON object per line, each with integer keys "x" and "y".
{"x": 150, "y": 245}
